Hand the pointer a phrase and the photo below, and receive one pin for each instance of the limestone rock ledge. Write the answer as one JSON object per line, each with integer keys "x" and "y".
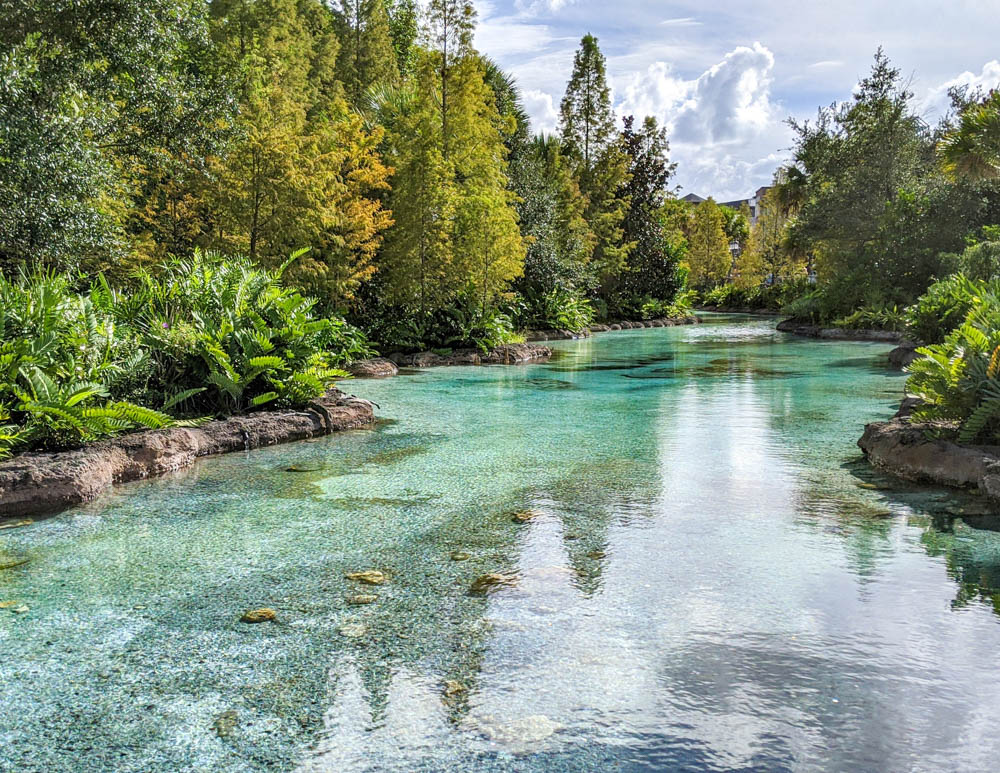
{"x": 45, "y": 482}
{"x": 795, "y": 327}
{"x": 904, "y": 449}
{"x": 565, "y": 335}
{"x": 509, "y": 354}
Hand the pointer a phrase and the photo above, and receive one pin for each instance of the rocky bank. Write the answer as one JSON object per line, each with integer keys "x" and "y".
{"x": 40, "y": 482}
{"x": 809, "y": 330}
{"x": 906, "y": 450}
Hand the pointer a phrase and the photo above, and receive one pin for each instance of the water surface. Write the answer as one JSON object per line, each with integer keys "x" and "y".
{"x": 714, "y": 581}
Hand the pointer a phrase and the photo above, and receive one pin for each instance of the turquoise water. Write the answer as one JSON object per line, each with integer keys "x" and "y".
{"x": 713, "y": 581}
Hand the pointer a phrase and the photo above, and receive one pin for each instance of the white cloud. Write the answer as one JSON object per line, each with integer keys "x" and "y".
{"x": 828, "y": 64}
{"x": 725, "y": 131}
{"x": 729, "y": 102}
{"x": 686, "y": 21}
{"x": 539, "y": 7}
{"x": 541, "y": 108}
{"x": 935, "y": 103}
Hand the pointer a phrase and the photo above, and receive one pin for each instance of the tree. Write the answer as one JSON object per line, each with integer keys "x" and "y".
{"x": 91, "y": 96}
{"x": 586, "y": 120}
{"x": 736, "y": 224}
{"x": 304, "y": 170}
{"x": 448, "y": 30}
{"x": 876, "y": 210}
{"x": 971, "y": 150}
{"x": 417, "y": 259}
{"x": 403, "y": 29}
{"x": 590, "y": 142}
{"x": 367, "y": 53}
{"x": 652, "y": 266}
{"x": 708, "y": 249}
{"x": 768, "y": 257}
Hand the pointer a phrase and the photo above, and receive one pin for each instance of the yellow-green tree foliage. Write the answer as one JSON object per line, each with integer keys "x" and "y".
{"x": 301, "y": 169}
{"x": 768, "y": 253}
{"x": 708, "y": 249}
{"x": 456, "y": 227}
{"x": 367, "y": 56}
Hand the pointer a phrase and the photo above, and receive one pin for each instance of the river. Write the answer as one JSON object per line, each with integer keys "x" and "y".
{"x": 709, "y": 578}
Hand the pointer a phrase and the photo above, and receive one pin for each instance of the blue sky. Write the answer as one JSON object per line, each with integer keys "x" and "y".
{"x": 723, "y": 77}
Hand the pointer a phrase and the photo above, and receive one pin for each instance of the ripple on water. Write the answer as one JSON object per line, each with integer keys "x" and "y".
{"x": 711, "y": 579}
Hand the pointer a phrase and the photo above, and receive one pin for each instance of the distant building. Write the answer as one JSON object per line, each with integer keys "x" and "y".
{"x": 754, "y": 202}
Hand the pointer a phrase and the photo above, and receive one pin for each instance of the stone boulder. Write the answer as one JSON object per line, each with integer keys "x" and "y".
{"x": 378, "y": 367}
{"x": 908, "y": 451}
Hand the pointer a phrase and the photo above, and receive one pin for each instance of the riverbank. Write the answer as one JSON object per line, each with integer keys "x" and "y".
{"x": 910, "y": 451}
{"x": 810, "y": 330}
{"x": 566, "y": 335}
{"x": 38, "y": 482}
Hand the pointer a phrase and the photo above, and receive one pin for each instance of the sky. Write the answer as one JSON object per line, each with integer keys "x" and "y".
{"x": 724, "y": 77}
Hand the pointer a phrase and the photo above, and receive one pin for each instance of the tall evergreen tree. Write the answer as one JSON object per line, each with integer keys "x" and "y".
{"x": 403, "y": 28}
{"x": 652, "y": 264}
{"x": 367, "y": 54}
{"x": 586, "y": 120}
{"x": 590, "y": 142}
{"x": 708, "y": 248}
{"x": 448, "y": 29}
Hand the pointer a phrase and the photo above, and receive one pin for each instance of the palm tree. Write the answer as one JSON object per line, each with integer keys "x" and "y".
{"x": 972, "y": 149}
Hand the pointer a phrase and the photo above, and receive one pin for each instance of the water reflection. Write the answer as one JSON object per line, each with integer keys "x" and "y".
{"x": 711, "y": 581}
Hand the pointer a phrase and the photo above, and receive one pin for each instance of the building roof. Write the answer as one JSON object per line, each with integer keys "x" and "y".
{"x": 693, "y": 198}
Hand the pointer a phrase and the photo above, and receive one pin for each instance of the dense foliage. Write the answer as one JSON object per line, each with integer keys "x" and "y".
{"x": 206, "y": 336}
{"x": 959, "y": 380}
{"x": 136, "y": 134}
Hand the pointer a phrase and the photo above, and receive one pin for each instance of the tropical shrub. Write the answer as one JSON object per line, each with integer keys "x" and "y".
{"x": 465, "y": 323}
{"x": 959, "y": 379}
{"x": 756, "y": 297}
{"x": 944, "y": 307}
{"x": 208, "y": 335}
{"x": 557, "y": 309}
{"x": 981, "y": 261}
{"x": 873, "y": 318}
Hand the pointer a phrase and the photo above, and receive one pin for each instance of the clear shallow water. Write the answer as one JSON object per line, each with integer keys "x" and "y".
{"x": 714, "y": 582}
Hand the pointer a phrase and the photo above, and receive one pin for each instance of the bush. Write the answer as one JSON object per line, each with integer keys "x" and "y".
{"x": 944, "y": 307}
{"x": 874, "y": 319}
{"x": 981, "y": 261}
{"x": 208, "y": 335}
{"x": 463, "y": 324}
{"x": 557, "y": 309}
{"x": 959, "y": 379}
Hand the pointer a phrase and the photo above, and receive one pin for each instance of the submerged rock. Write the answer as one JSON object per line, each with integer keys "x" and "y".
{"x": 353, "y": 630}
{"x": 903, "y": 355}
{"x": 524, "y": 516}
{"x": 226, "y": 723}
{"x": 458, "y": 555}
{"x": 488, "y": 583}
{"x": 368, "y": 577}
{"x": 15, "y": 524}
{"x": 263, "y": 615}
{"x": 519, "y": 735}
{"x": 361, "y": 599}
{"x": 453, "y": 688}
{"x": 11, "y": 563}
